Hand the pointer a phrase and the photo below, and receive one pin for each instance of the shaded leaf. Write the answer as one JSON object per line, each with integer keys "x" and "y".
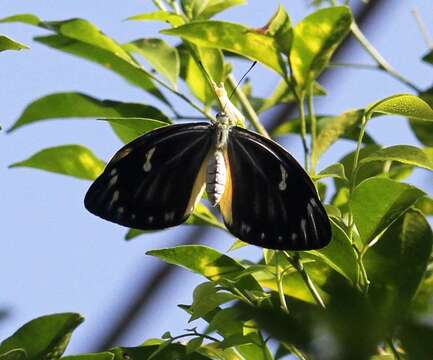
{"x": 397, "y": 262}
{"x": 165, "y": 16}
{"x": 406, "y": 105}
{"x": 7, "y": 43}
{"x": 162, "y": 56}
{"x": 207, "y": 262}
{"x": 280, "y": 27}
{"x": 417, "y": 340}
{"x": 315, "y": 39}
{"x": 45, "y": 337}
{"x": 78, "y": 105}
{"x": 372, "y": 216}
{"x": 425, "y": 205}
{"x": 339, "y": 254}
{"x": 165, "y": 351}
{"x": 193, "y": 345}
{"x": 405, "y": 154}
{"x": 15, "y": 354}
{"x": 232, "y": 37}
{"x": 130, "y": 71}
{"x": 72, "y": 160}
{"x": 96, "y": 356}
{"x": 423, "y": 131}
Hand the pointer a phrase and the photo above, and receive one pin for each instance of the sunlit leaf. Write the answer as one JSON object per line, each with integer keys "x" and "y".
{"x": 213, "y": 61}
{"x": 232, "y": 37}
{"x": 71, "y": 160}
{"x": 280, "y": 27}
{"x": 43, "y": 336}
{"x": 207, "y": 297}
{"x": 165, "y": 16}
{"x": 207, "y": 262}
{"x": 396, "y": 263}
{"x": 78, "y": 105}
{"x": 315, "y": 39}
{"x": 214, "y": 7}
{"x": 96, "y": 356}
{"x": 405, "y": 154}
{"x": 425, "y": 205}
{"x": 130, "y": 128}
{"x": 131, "y": 72}
{"x": 333, "y": 171}
{"x": 162, "y": 56}
{"x": 372, "y": 216}
{"x": 406, "y": 105}
{"x": 28, "y": 19}
{"x": 7, "y": 43}
{"x": 193, "y": 345}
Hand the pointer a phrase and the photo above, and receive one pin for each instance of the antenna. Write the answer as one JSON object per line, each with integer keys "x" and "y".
{"x": 240, "y": 81}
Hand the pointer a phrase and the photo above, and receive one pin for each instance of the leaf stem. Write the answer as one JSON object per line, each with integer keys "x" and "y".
{"x": 356, "y": 31}
{"x": 293, "y": 349}
{"x": 251, "y": 113}
{"x": 304, "y": 132}
{"x": 159, "y": 4}
{"x": 423, "y": 28}
{"x": 393, "y": 349}
{"x": 279, "y": 276}
{"x": 297, "y": 264}
{"x": 313, "y": 123}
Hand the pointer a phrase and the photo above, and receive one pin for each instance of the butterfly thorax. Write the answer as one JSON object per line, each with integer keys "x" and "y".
{"x": 216, "y": 167}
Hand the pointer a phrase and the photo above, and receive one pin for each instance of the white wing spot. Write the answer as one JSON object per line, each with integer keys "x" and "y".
{"x": 150, "y": 219}
{"x": 169, "y": 216}
{"x": 133, "y": 216}
{"x": 147, "y": 166}
{"x": 114, "y": 199}
{"x": 304, "y": 230}
{"x": 262, "y": 236}
{"x": 283, "y": 185}
{"x": 120, "y": 210}
{"x": 294, "y": 236}
{"x": 245, "y": 228}
{"x": 113, "y": 180}
{"x": 312, "y": 221}
{"x": 280, "y": 238}
{"x": 113, "y": 172}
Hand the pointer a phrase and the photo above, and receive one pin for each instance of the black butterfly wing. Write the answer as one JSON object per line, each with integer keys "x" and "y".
{"x": 269, "y": 200}
{"x": 155, "y": 181}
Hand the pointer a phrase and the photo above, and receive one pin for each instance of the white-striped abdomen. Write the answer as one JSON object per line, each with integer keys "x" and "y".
{"x": 216, "y": 177}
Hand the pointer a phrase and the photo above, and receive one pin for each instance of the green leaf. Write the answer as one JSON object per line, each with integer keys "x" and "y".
{"x": 397, "y": 262}
{"x": 86, "y": 32}
{"x": 332, "y": 129}
{"x": 97, "y": 356}
{"x": 339, "y": 254}
{"x": 213, "y": 61}
{"x": 78, "y": 105}
{"x": 425, "y": 205}
{"x": 284, "y": 94}
{"x": 201, "y": 216}
{"x": 315, "y": 39}
{"x": 377, "y": 202}
{"x": 130, "y": 128}
{"x": 406, "y": 105}
{"x": 165, "y": 351}
{"x": 15, "y": 354}
{"x": 130, "y": 71}
{"x": 232, "y": 37}
{"x": 45, "y": 337}
{"x": 193, "y": 345}
{"x": 405, "y": 154}
{"x": 417, "y": 340}
{"x": 162, "y": 56}
{"x": 214, "y": 7}
{"x": 28, "y": 19}
{"x": 280, "y": 27}
{"x": 207, "y": 297}
{"x": 71, "y": 160}
{"x": 7, "y": 43}
{"x": 423, "y": 131}
{"x": 207, "y": 262}
{"x": 165, "y": 16}
{"x": 334, "y": 171}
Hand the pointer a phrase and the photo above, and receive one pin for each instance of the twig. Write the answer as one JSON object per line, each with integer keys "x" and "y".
{"x": 313, "y": 123}
{"x": 423, "y": 28}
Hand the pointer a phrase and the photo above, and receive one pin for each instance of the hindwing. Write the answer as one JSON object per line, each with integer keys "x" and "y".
{"x": 270, "y": 201}
{"x": 155, "y": 181}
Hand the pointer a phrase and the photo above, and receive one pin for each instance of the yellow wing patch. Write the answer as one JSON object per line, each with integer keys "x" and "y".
{"x": 198, "y": 187}
{"x": 226, "y": 199}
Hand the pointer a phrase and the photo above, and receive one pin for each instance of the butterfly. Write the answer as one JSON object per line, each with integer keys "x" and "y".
{"x": 265, "y": 197}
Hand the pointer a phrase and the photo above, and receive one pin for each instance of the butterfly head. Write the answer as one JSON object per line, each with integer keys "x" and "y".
{"x": 223, "y": 118}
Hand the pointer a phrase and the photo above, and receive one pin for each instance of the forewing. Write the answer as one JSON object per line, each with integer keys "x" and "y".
{"x": 270, "y": 201}
{"x": 155, "y": 181}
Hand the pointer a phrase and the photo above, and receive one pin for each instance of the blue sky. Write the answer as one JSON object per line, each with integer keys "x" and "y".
{"x": 57, "y": 257}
